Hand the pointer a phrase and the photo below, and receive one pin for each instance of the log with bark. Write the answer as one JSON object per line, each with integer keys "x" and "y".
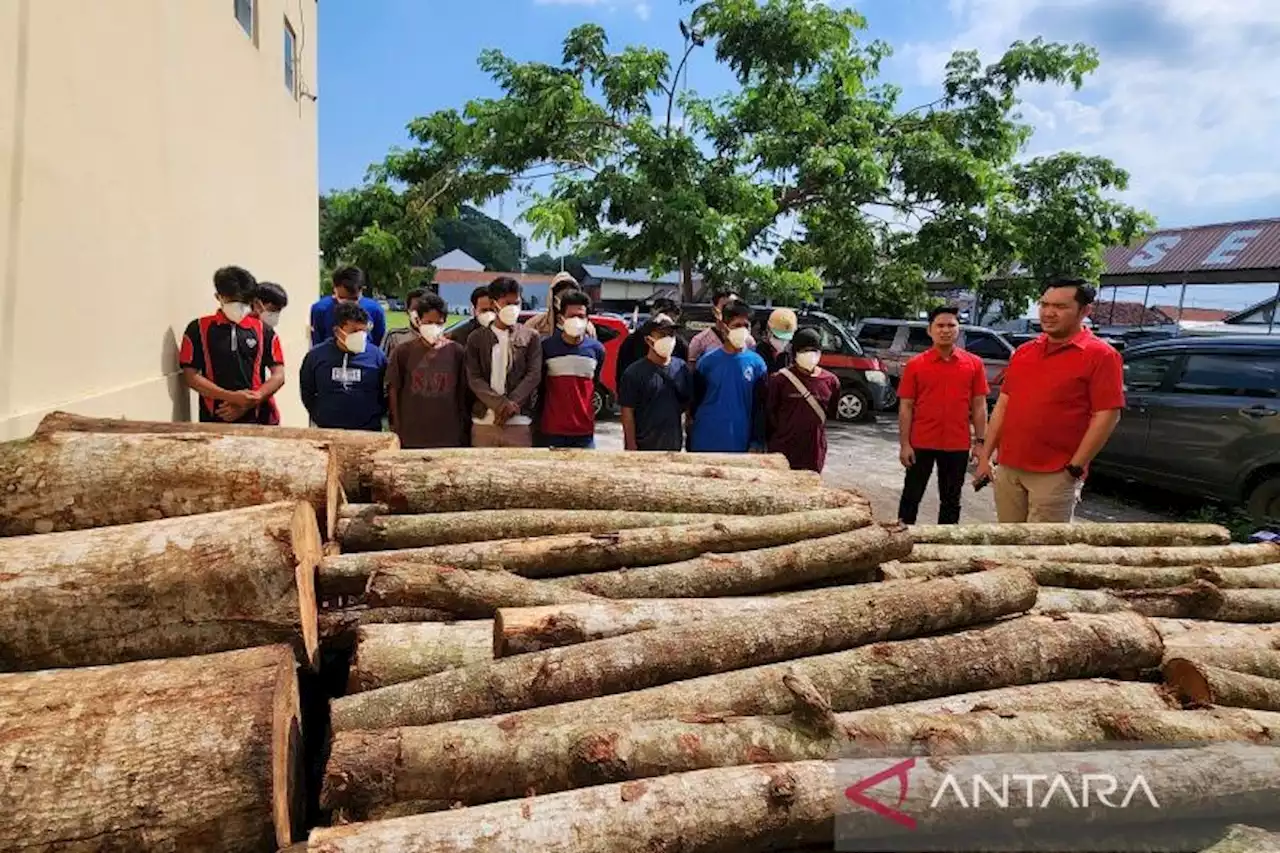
{"x": 615, "y": 458}
{"x": 338, "y": 626}
{"x": 467, "y": 593}
{"x": 1197, "y": 600}
{"x": 178, "y": 586}
{"x": 543, "y": 556}
{"x": 1256, "y": 554}
{"x": 1253, "y": 661}
{"x": 752, "y": 808}
{"x": 850, "y": 556}
{"x": 898, "y": 570}
{"x": 391, "y": 654}
{"x": 196, "y": 753}
{"x": 1202, "y": 684}
{"x": 1246, "y": 839}
{"x": 1196, "y": 632}
{"x": 1104, "y": 694}
{"x": 1133, "y": 534}
{"x": 369, "y": 527}
{"x": 370, "y": 772}
{"x": 408, "y": 487}
{"x": 824, "y": 624}
{"x": 74, "y": 480}
{"x": 354, "y": 449}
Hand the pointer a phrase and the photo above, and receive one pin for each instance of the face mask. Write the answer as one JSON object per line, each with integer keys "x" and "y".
{"x": 664, "y": 346}
{"x": 509, "y": 314}
{"x": 808, "y": 359}
{"x": 783, "y": 344}
{"x": 486, "y": 318}
{"x": 738, "y": 337}
{"x": 431, "y": 332}
{"x": 270, "y": 319}
{"x": 235, "y": 311}
{"x": 574, "y": 327}
{"x": 355, "y": 342}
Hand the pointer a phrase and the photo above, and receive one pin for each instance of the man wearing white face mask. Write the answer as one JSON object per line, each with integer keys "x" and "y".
{"x": 655, "y": 391}
{"x": 342, "y": 379}
{"x": 729, "y": 390}
{"x": 571, "y": 366}
{"x": 504, "y": 368}
{"x": 425, "y": 386}
{"x": 798, "y": 402}
{"x": 396, "y": 337}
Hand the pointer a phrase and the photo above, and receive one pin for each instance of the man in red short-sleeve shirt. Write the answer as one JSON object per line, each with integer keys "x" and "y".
{"x": 942, "y": 393}
{"x": 1060, "y": 402}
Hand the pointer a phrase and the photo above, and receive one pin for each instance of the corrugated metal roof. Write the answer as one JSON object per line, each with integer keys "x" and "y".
{"x": 1249, "y": 245}
{"x": 608, "y": 273}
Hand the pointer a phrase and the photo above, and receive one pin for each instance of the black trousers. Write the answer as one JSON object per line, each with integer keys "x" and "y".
{"x": 952, "y": 465}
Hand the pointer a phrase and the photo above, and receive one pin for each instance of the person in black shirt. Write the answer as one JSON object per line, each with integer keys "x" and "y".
{"x": 656, "y": 391}
{"x": 633, "y": 349}
{"x": 482, "y": 314}
{"x": 225, "y": 355}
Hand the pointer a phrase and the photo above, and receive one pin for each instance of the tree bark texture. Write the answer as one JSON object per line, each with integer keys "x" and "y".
{"x": 363, "y": 528}
{"x": 370, "y": 771}
{"x": 745, "y": 809}
{"x": 1133, "y": 534}
{"x": 1196, "y": 632}
{"x": 391, "y": 654}
{"x": 354, "y": 449}
{"x": 1018, "y": 651}
{"x": 1246, "y": 839}
{"x": 1205, "y": 555}
{"x": 613, "y": 458}
{"x": 570, "y": 553}
{"x": 407, "y": 487}
{"x": 421, "y": 463}
{"x": 466, "y": 593}
{"x": 338, "y": 626}
{"x": 197, "y": 753}
{"x": 1202, "y": 684}
{"x": 1198, "y": 600}
{"x": 845, "y": 555}
{"x": 898, "y": 570}
{"x": 73, "y": 480}
{"x": 168, "y": 588}
{"x": 1252, "y": 661}
{"x": 1106, "y": 576}
{"x": 1104, "y": 694}
{"x": 830, "y": 623}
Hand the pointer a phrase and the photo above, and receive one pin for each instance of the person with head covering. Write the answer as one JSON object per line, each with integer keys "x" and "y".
{"x": 634, "y": 348}
{"x": 547, "y": 322}
{"x": 798, "y": 402}
{"x": 775, "y": 349}
{"x": 655, "y": 392}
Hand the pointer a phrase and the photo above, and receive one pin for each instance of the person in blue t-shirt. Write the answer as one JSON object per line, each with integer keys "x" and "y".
{"x": 342, "y": 379}
{"x": 348, "y": 286}
{"x": 729, "y": 391}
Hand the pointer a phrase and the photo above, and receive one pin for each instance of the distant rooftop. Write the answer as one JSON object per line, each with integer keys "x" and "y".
{"x": 604, "y": 272}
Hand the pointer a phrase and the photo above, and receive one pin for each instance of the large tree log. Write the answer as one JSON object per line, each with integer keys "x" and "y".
{"x": 72, "y": 481}
{"x": 1080, "y": 533}
{"x": 615, "y": 458}
{"x": 391, "y": 654}
{"x": 1206, "y": 555}
{"x": 364, "y": 528}
{"x": 1198, "y": 600}
{"x": 464, "y": 593}
{"x": 338, "y": 626}
{"x": 1246, "y": 839}
{"x": 753, "y": 808}
{"x": 829, "y": 623}
{"x": 409, "y": 487}
{"x": 1195, "y": 632}
{"x": 370, "y": 772}
{"x": 1202, "y": 684}
{"x": 846, "y": 555}
{"x": 178, "y": 586}
{"x": 199, "y": 753}
{"x": 1104, "y": 694}
{"x": 1099, "y": 575}
{"x": 354, "y": 449}
{"x": 543, "y": 556}
{"x": 1253, "y": 661}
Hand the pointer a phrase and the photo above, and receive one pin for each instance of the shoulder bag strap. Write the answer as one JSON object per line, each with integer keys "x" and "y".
{"x": 804, "y": 392}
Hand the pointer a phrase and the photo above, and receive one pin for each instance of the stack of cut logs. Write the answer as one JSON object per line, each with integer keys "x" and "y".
{"x": 586, "y": 652}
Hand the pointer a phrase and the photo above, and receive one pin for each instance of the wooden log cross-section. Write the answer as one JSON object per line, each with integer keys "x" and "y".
{"x": 1256, "y": 554}
{"x": 193, "y": 753}
{"x": 76, "y": 480}
{"x": 178, "y": 586}
{"x": 354, "y": 449}
{"x": 1133, "y": 534}
{"x": 1203, "y": 684}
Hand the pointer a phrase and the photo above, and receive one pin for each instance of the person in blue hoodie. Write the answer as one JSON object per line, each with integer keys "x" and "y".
{"x": 348, "y": 286}
{"x": 342, "y": 379}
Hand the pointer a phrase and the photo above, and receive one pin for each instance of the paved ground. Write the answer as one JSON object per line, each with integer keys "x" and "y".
{"x": 865, "y": 457}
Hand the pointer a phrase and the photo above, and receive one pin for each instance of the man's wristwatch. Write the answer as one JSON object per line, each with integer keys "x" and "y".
{"x": 978, "y": 442}
{"x": 1075, "y": 471}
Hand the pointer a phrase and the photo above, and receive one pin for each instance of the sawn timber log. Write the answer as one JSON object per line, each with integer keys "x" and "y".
{"x": 1132, "y": 534}
{"x": 1202, "y": 684}
{"x": 1204, "y": 555}
{"x": 465, "y": 593}
{"x": 615, "y": 458}
{"x": 390, "y": 654}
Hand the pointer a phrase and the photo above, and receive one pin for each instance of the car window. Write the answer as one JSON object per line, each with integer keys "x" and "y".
{"x": 985, "y": 345}
{"x": 1230, "y": 375}
{"x": 1147, "y": 372}
{"x": 878, "y": 335}
{"x": 918, "y": 339}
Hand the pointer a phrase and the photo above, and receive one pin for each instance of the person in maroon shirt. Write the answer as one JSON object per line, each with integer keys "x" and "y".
{"x": 425, "y": 382}
{"x": 942, "y": 394}
{"x": 1059, "y": 403}
{"x": 798, "y": 400}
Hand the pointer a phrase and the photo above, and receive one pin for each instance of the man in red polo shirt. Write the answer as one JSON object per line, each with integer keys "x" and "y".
{"x": 942, "y": 393}
{"x": 1060, "y": 402}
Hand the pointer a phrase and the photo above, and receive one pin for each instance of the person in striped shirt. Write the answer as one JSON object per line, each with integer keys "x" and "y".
{"x": 572, "y": 362}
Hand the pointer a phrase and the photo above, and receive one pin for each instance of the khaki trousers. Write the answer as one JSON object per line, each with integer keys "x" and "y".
{"x": 1029, "y": 496}
{"x": 489, "y": 435}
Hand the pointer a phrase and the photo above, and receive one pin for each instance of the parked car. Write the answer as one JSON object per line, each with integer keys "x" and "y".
{"x": 894, "y": 342}
{"x": 1202, "y": 418}
{"x": 864, "y": 385}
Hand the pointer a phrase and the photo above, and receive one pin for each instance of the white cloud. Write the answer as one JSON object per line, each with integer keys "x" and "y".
{"x": 641, "y": 8}
{"x": 1185, "y": 99}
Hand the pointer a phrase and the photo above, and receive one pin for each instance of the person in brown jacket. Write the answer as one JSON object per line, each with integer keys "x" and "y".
{"x": 504, "y": 368}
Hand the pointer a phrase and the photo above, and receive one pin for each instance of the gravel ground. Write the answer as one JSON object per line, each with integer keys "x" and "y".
{"x": 865, "y": 457}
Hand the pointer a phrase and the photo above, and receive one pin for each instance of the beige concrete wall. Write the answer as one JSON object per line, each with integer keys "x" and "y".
{"x": 143, "y": 144}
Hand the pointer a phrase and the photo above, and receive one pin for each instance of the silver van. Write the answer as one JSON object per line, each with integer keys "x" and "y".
{"x": 896, "y": 341}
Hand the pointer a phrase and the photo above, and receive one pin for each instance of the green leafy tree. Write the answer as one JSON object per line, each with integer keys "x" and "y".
{"x": 809, "y": 171}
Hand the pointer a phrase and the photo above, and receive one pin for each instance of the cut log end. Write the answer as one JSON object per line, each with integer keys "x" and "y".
{"x": 1191, "y": 685}
{"x": 308, "y": 551}
{"x": 288, "y": 786}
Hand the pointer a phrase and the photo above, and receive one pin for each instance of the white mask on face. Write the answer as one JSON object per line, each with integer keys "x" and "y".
{"x": 664, "y": 347}
{"x": 574, "y": 327}
{"x": 235, "y": 311}
{"x": 738, "y": 337}
{"x": 431, "y": 332}
{"x": 509, "y": 315}
{"x": 808, "y": 359}
{"x": 270, "y": 319}
{"x": 355, "y": 342}
{"x": 486, "y": 318}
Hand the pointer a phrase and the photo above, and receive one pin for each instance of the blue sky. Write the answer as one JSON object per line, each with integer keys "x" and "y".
{"x": 1186, "y": 98}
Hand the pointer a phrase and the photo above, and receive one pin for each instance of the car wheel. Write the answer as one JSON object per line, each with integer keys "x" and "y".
{"x": 890, "y": 398}
{"x": 854, "y": 406}
{"x": 1264, "y": 500}
{"x": 597, "y": 402}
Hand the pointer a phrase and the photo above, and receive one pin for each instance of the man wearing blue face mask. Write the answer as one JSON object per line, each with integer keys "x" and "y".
{"x": 343, "y": 379}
